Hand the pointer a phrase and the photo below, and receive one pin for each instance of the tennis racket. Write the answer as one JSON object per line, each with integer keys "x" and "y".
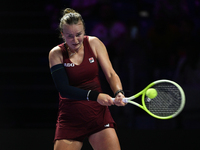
{"x": 168, "y": 103}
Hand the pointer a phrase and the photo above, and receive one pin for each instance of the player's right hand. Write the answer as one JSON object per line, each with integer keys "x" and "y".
{"x": 105, "y": 99}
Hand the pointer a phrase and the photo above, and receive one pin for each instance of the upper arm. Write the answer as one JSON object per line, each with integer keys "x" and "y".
{"x": 101, "y": 54}
{"x": 55, "y": 56}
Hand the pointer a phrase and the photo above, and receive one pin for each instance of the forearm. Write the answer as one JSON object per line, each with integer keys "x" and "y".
{"x": 116, "y": 86}
{"x": 60, "y": 78}
{"x": 114, "y": 82}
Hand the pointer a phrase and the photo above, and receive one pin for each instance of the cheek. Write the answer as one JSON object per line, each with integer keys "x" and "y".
{"x": 67, "y": 40}
{"x": 80, "y": 39}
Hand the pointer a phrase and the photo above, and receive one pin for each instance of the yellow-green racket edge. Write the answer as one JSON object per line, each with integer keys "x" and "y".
{"x": 167, "y": 117}
{"x": 143, "y": 106}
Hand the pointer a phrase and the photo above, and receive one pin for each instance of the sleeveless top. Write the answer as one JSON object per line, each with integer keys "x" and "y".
{"x": 85, "y": 75}
{"x": 80, "y": 118}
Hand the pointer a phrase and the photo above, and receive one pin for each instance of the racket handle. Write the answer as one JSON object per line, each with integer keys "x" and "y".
{"x": 125, "y": 100}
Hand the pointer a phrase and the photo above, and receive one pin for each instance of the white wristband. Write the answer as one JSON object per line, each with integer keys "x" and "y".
{"x": 88, "y": 94}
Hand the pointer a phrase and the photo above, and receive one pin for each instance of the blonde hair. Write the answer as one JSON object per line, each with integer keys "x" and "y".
{"x": 70, "y": 17}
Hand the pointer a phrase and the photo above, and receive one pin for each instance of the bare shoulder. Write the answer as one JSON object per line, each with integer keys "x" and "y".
{"x": 94, "y": 40}
{"x": 96, "y": 45}
{"x": 55, "y": 56}
{"x": 55, "y": 50}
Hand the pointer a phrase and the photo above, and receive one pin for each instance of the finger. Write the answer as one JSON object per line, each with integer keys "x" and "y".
{"x": 117, "y": 103}
{"x": 111, "y": 102}
{"x": 103, "y": 103}
{"x": 106, "y": 103}
{"x": 120, "y": 103}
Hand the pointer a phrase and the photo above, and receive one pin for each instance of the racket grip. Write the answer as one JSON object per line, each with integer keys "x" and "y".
{"x": 125, "y": 100}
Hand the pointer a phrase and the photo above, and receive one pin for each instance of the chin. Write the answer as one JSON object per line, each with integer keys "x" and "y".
{"x": 78, "y": 46}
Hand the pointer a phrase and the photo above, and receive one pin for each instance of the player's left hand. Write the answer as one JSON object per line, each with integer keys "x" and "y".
{"x": 118, "y": 100}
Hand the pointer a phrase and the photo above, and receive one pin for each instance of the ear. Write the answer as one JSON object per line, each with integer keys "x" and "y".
{"x": 61, "y": 34}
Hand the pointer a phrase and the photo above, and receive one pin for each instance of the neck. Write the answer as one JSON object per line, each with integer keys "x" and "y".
{"x": 73, "y": 52}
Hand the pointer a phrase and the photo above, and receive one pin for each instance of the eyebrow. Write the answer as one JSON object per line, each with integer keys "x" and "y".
{"x": 76, "y": 33}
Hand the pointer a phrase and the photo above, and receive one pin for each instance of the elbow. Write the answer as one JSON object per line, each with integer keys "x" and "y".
{"x": 64, "y": 93}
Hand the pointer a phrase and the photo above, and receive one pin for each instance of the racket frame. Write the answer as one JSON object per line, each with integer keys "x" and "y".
{"x": 143, "y": 93}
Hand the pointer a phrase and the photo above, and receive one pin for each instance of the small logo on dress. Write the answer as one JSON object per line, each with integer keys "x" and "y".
{"x": 69, "y": 64}
{"x": 107, "y": 125}
{"x": 91, "y": 60}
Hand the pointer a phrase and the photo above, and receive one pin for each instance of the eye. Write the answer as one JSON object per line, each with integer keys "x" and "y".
{"x": 78, "y": 34}
{"x": 70, "y": 36}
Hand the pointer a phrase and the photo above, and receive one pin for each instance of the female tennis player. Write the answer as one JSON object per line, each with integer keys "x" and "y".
{"x": 83, "y": 108}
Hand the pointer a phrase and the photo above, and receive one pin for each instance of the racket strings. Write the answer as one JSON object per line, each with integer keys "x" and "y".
{"x": 167, "y": 102}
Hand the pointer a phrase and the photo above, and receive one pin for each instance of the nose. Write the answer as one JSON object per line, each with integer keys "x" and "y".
{"x": 75, "y": 40}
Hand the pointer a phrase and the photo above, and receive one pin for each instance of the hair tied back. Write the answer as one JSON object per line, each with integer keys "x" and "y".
{"x": 68, "y": 10}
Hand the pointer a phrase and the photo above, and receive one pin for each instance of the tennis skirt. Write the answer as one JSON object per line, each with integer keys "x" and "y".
{"x": 78, "y": 120}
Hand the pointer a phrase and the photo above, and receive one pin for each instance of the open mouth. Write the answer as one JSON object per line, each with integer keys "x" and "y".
{"x": 75, "y": 44}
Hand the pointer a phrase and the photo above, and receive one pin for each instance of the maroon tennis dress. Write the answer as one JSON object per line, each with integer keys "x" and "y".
{"x": 79, "y": 119}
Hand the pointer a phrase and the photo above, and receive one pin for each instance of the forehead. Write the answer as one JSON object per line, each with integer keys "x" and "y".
{"x": 73, "y": 28}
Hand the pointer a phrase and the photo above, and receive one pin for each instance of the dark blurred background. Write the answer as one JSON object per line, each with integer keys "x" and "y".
{"x": 146, "y": 40}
